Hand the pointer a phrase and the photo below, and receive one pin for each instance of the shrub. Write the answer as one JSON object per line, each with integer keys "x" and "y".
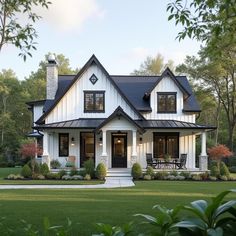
{"x": 26, "y": 171}
{"x": 3, "y": 164}
{"x": 66, "y": 177}
{"x": 14, "y": 177}
{"x": 174, "y": 173}
{"x": 150, "y": 171}
{"x": 44, "y": 170}
{"x": 77, "y": 177}
{"x": 224, "y": 170}
{"x": 214, "y": 171}
{"x": 136, "y": 171}
{"x": 82, "y": 172}
{"x": 73, "y": 171}
{"x": 196, "y": 177}
{"x": 204, "y": 176}
{"x": 223, "y": 177}
{"x": 87, "y": 177}
{"x": 147, "y": 177}
{"x": 38, "y": 176}
{"x": 160, "y": 175}
{"x": 89, "y": 167}
{"x": 232, "y": 169}
{"x": 101, "y": 171}
{"x": 170, "y": 177}
{"x": 55, "y": 164}
{"x": 34, "y": 166}
{"x": 62, "y": 173}
{"x": 180, "y": 177}
{"x": 213, "y": 178}
{"x": 52, "y": 176}
{"x": 186, "y": 175}
{"x": 218, "y": 152}
{"x": 10, "y": 164}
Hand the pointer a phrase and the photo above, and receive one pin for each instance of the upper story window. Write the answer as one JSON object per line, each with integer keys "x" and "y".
{"x": 166, "y": 102}
{"x": 94, "y": 101}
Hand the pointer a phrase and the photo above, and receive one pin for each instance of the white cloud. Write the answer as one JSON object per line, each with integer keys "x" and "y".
{"x": 71, "y": 14}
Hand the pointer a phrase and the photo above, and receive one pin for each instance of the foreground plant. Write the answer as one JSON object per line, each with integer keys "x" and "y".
{"x": 215, "y": 218}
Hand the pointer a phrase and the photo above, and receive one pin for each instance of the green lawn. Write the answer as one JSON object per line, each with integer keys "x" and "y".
{"x": 4, "y": 172}
{"x": 88, "y": 206}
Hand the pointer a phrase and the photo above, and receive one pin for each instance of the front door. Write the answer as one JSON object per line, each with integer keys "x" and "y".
{"x": 119, "y": 150}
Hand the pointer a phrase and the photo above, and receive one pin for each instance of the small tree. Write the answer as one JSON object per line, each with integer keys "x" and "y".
{"x": 218, "y": 152}
{"x": 30, "y": 150}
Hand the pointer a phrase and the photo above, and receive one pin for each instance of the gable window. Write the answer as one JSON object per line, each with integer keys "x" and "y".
{"x": 63, "y": 145}
{"x": 166, "y": 143}
{"x": 166, "y": 102}
{"x": 94, "y": 101}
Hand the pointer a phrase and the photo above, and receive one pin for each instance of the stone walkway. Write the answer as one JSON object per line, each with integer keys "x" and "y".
{"x": 107, "y": 184}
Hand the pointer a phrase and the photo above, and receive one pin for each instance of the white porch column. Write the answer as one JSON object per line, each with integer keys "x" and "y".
{"x": 104, "y": 148}
{"x": 45, "y": 157}
{"x": 203, "y": 158}
{"x": 134, "y": 148}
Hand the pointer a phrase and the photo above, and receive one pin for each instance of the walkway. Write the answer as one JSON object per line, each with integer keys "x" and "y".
{"x": 108, "y": 184}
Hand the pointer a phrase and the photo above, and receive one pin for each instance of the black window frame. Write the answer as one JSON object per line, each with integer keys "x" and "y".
{"x": 165, "y": 135}
{"x": 166, "y": 94}
{"x": 59, "y": 144}
{"x": 94, "y": 101}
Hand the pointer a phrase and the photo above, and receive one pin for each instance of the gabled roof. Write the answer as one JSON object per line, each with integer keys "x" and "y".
{"x": 92, "y": 60}
{"x": 168, "y": 72}
{"x": 119, "y": 112}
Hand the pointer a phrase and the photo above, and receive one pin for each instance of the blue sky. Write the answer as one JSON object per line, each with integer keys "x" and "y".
{"x": 120, "y": 33}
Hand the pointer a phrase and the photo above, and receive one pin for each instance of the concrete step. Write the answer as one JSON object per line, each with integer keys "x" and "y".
{"x": 119, "y": 177}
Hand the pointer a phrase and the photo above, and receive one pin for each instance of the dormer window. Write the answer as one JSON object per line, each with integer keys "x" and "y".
{"x": 166, "y": 102}
{"x": 94, "y": 101}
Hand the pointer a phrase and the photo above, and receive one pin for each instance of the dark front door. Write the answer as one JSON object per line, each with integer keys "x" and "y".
{"x": 119, "y": 150}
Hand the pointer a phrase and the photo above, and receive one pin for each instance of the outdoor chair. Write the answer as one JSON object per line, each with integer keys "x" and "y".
{"x": 71, "y": 161}
{"x": 182, "y": 161}
{"x": 150, "y": 161}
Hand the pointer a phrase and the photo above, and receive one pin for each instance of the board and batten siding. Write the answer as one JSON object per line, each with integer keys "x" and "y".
{"x": 37, "y": 112}
{"x": 71, "y": 106}
{"x": 168, "y": 85}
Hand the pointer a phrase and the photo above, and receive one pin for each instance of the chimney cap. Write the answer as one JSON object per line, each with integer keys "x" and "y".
{"x": 52, "y": 59}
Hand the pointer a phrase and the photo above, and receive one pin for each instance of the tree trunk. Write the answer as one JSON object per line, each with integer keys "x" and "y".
{"x": 231, "y": 137}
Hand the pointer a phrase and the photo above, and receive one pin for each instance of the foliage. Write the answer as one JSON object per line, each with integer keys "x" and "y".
{"x": 205, "y": 175}
{"x": 212, "y": 218}
{"x": 153, "y": 66}
{"x": 232, "y": 169}
{"x": 215, "y": 171}
{"x": 186, "y": 174}
{"x": 108, "y": 230}
{"x": 14, "y": 177}
{"x": 203, "y": 19}
{"x": 89, "y": 167}
{"x": 218, "y": 152}
{"x": 62, "y": 173}
{"x": 26, "y": 171}
{"x": 30, "y": 150}
{"x": 136, "y": 171}
{"x": 87, "y": 177}
{"x": 150, "y": 171}
{"x": 50, "y": 175}
{"x": 101, "y": 171}
{"x": 15, "y": 31}
{"x": 73, "y": 171}
{"x": 224, "y": 171}
{"x": 161, "y": 175}
{"x": 147, "y": 177}
{"x": 44, "y": 170}
{"x": 196, "y": 177}
{"x": 55, "y": 164}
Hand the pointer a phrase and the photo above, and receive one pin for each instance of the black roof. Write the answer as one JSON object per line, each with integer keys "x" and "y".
{"x": 96, "y": 124}
{"x": 134, "y": 89}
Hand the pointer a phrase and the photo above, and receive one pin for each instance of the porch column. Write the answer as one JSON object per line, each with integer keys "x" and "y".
{"x": 134, "y": 148}
{"x": 45, "y": 157}
{"x": 203, "y": 158}
{"x": 104, "y": 148}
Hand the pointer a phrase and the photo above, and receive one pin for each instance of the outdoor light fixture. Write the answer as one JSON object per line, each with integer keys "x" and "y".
{"x": 72, "y": 141}
{"x": 118, "y": 141}
{"x": 140, "y": 140}
{"x": 100, "y": 141}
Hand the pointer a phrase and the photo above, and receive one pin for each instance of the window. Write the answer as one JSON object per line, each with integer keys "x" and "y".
{"x": 166, "y": 102}
{"x": 166, "y": 143}
{"x": 94, "y": 101}
{"x": 63, "y": 145}
{"x": 87, "y": 147}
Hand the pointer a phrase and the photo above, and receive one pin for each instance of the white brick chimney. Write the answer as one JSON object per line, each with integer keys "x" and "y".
{"x": 52, "y": 77}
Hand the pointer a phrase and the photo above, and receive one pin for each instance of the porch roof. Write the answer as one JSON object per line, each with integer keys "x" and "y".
{"x": 171, "y": 124}
{"x": 93, "y": 123}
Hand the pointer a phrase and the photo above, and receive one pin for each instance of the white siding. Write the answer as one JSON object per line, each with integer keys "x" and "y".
{"x": 168, "y": 85}
{"x": 71, "y": 106}
{"x": 37, "y": 112}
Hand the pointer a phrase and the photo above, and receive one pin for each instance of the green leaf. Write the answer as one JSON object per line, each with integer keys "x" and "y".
{"x": 224, "y": 208}
{"x": 215, "y": 232}
{"x": 192, "y": 223}
{"x": 170, "y": 17}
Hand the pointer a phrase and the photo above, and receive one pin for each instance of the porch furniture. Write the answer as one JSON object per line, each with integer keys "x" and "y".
{"x": 151, "y": 161}
{"x": 181, "y": 164}
{"x": 71, "y": 161}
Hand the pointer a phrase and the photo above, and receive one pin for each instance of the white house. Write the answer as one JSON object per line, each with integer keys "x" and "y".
{"x": 117, "y": 119}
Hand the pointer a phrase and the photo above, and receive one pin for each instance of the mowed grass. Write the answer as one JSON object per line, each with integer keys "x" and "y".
{"x": 90, "y": 206}
{"x": 4, "y": 172}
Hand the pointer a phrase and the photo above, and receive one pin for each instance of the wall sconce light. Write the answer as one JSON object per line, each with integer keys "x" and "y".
{"x": 140, "y": 140}
{"x": 100, "y": 141}
{"x": 118, "y": 141}
{"x": 72, "y": 141}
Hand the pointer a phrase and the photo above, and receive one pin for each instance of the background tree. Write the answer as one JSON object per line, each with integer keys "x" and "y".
{"x": 154, "y": 66}
{"x": 218, "y": 152}
{"x": 13, "y": 30}
{"x": 203, "y": 19}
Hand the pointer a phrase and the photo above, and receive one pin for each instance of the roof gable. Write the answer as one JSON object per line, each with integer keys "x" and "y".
{"x": 52, "y": 103}
{"x": 169, "y": 73}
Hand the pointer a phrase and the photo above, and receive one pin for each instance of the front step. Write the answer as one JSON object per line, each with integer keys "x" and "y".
{"x": 119, "y": 175}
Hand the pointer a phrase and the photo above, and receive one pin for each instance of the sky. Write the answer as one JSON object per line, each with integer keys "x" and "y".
{"x": 120, "y": 33}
